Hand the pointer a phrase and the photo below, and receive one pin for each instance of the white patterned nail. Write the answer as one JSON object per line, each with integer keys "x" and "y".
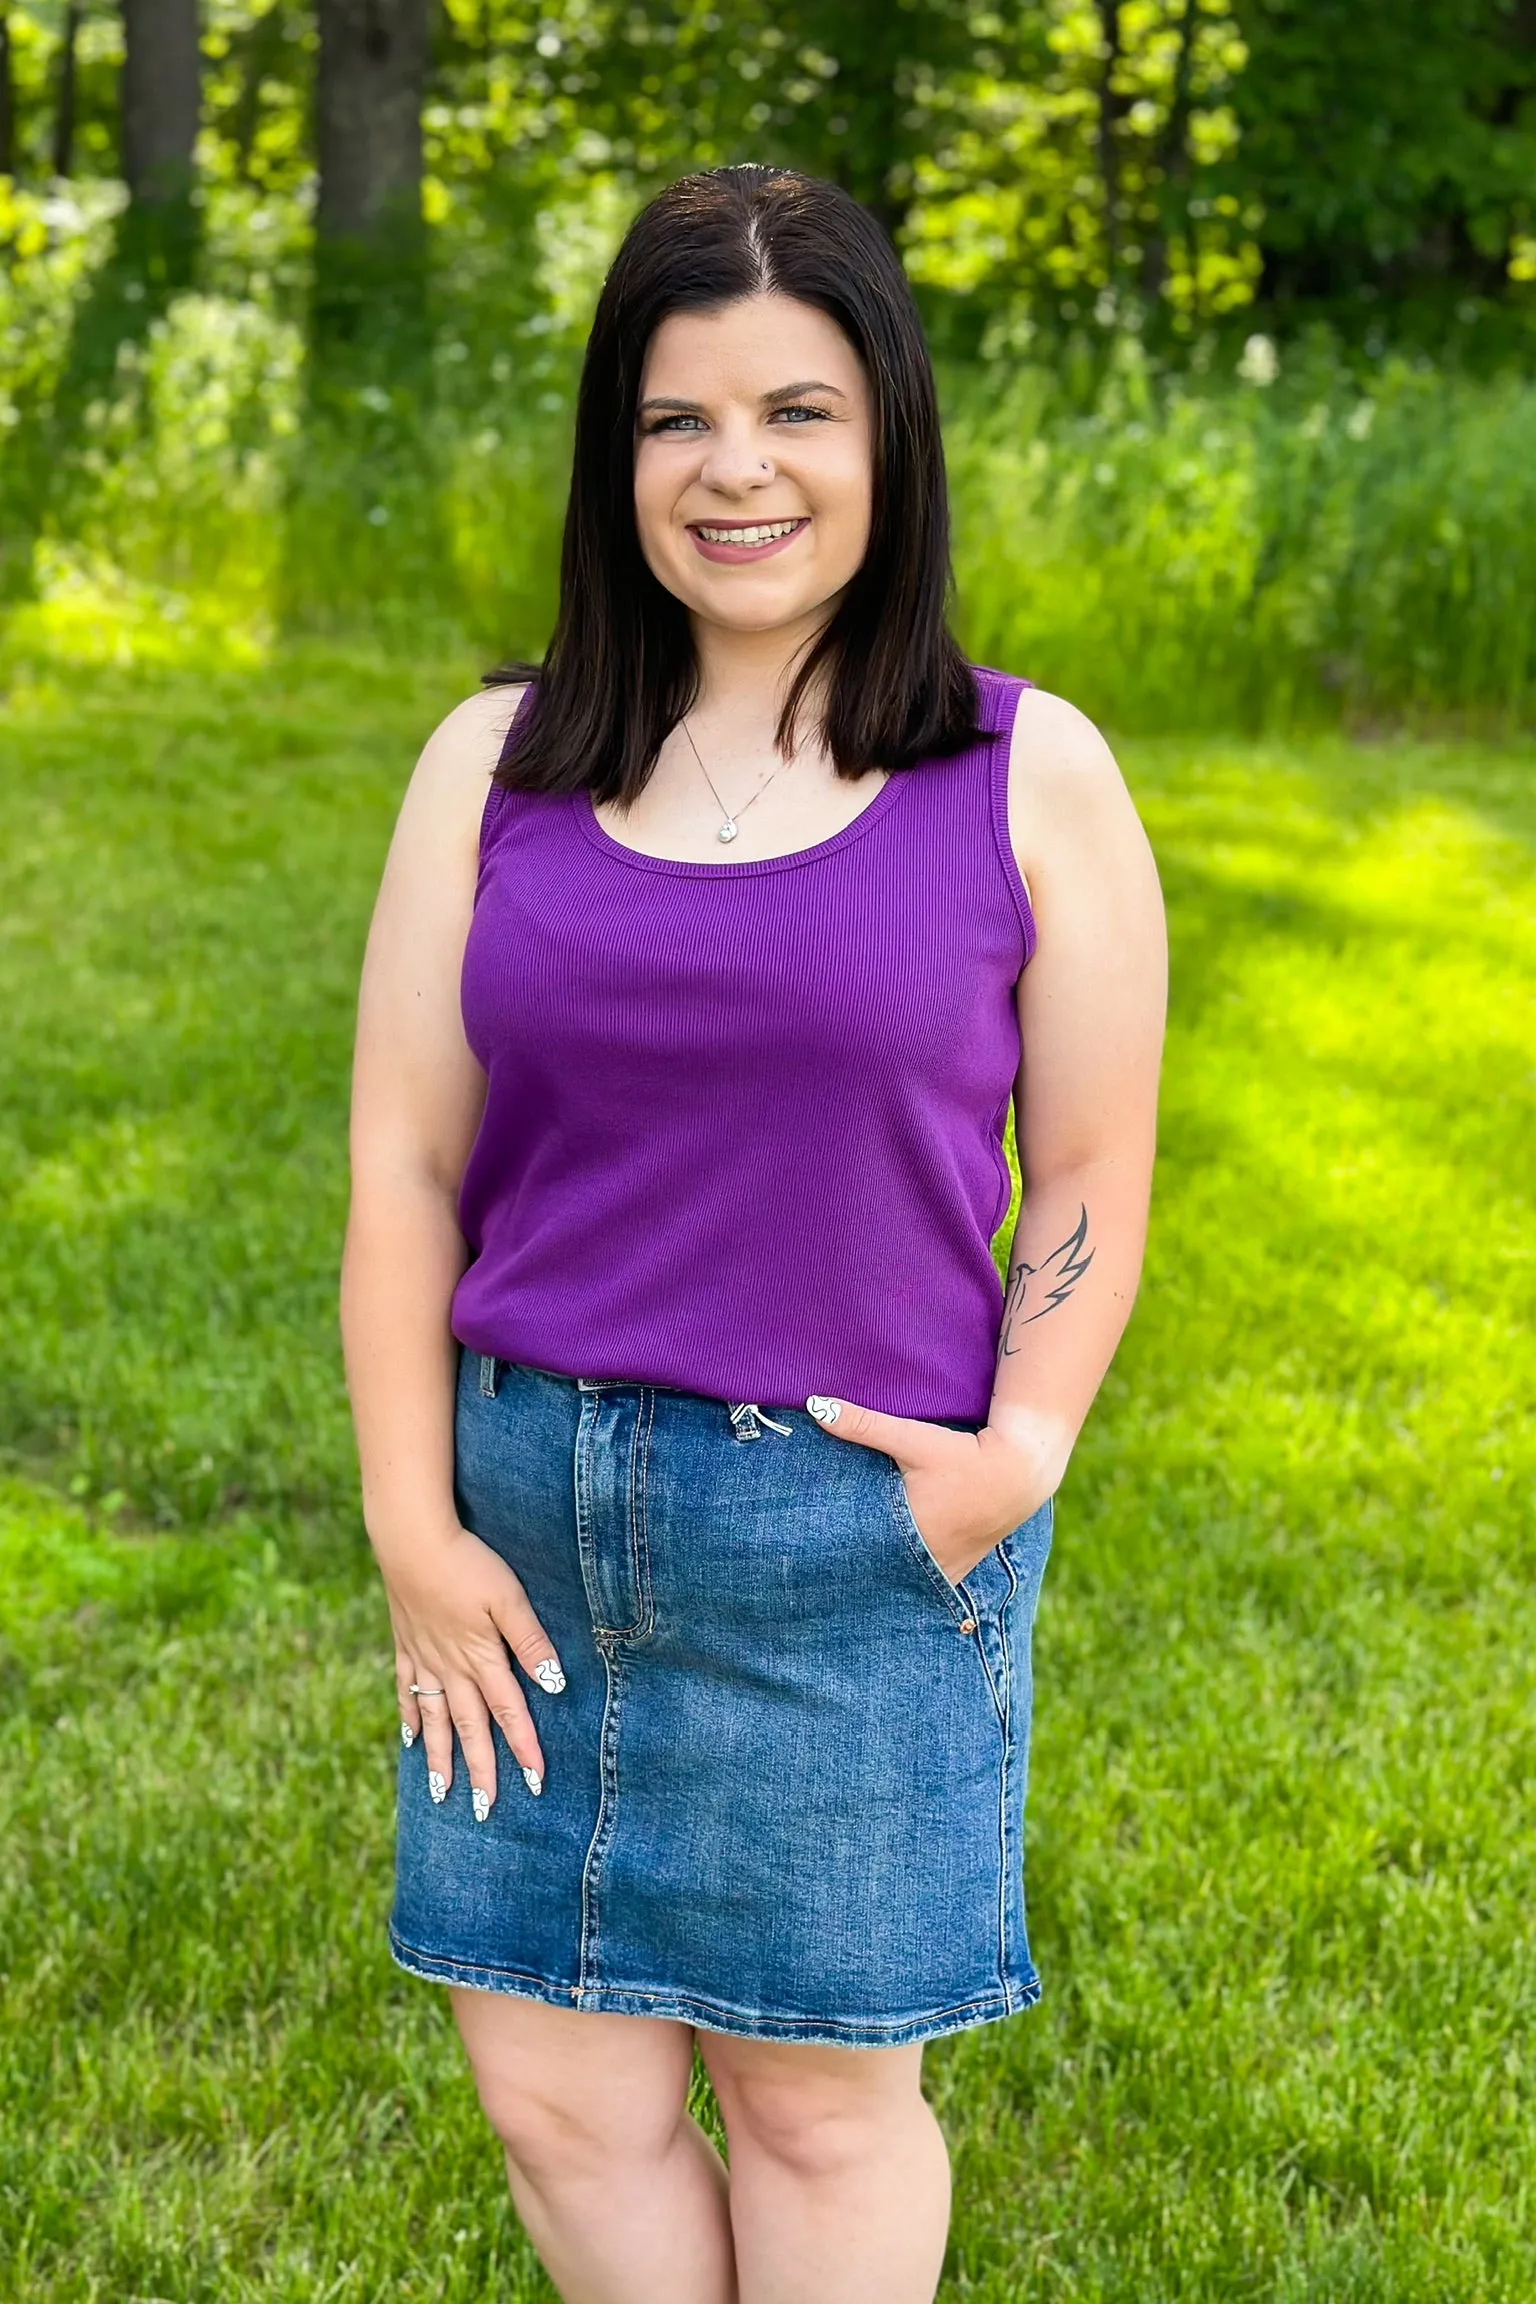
{"x": 825, "y": 1411}
{"x": 407, "y": 1734}
{"x": 534, "y": 1781}
{"x": 437, "y": 1786}
{"x": 480, "y": 1802}
{"x": 549, "y": 1676}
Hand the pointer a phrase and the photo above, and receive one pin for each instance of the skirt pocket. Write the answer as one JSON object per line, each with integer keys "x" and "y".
{"x": 982, "y": 1593}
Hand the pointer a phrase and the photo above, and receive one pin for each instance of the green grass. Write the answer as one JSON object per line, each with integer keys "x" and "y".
{"x": 1282, "y": 1862}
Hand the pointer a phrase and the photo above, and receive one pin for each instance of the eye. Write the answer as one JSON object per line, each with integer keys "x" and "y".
{"x": 798, "y": 409}
{"x": 675, "y": 423}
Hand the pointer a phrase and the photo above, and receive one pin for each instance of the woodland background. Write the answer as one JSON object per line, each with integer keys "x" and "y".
{"x": 1235, "y": 302}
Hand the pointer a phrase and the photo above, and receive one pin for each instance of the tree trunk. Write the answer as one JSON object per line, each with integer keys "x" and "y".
{"x": 372, "y": 76}
{"x": 1111, "y": 107}
{"x": 64, "y": 102}
{"x": 7, "y": 100}
{"x": 162, "y": 91}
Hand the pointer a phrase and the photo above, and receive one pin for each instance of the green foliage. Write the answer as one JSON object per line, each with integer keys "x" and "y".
{"x": 1068, "y": 179}
{"x": 1394, "y": 151}
{"x": 1280, "y": 541}
{"x": 1104, "y": 163}
{"x": 212, "y": 420}
{"x": 1259, "y": 552}
{"x": 1280, "y": 1879}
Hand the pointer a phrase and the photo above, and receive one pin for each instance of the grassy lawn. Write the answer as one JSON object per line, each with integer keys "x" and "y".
{"x": 1282, "y": 1861}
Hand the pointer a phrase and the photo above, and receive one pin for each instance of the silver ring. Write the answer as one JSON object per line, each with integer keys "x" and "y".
{"x": 415, "y": 1691}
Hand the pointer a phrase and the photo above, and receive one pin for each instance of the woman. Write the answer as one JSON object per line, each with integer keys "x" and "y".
{"x": 707, "y": 1464}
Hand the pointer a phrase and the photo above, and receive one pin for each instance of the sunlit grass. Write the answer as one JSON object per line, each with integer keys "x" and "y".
{"x": 1281, "y": 1865}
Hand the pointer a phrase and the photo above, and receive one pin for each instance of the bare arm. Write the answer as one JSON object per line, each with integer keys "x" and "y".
{"x": 1091, "y": 1009}
{"x": 416, "y": 1098}
{"x": 416, "y": 1101}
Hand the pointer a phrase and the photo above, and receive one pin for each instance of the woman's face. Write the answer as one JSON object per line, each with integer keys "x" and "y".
{"x": 753, "y": 463}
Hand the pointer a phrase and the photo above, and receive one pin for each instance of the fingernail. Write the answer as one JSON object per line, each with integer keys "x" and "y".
{"x": 437, "y": 1786}
{"x": 549, "y": 1676}
{"x": 534, "y": 1781}
{"x": 407, "y": 1734}
{"x": 825, "y": 1411}
{"x": 480, "y": 1802}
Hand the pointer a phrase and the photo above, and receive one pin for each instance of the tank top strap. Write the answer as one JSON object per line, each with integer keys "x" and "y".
{"x": 998, "y": 696}
{"x": 496, "y": 813}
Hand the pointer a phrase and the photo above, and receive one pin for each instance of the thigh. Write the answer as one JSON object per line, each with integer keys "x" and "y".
{"x": 621, "y": 2081}
{"x": 778, "y": 2092}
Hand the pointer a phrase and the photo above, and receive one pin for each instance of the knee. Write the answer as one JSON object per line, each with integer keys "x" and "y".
{"x": 814, "y": 2126}
{"x": 555, "y": 2138}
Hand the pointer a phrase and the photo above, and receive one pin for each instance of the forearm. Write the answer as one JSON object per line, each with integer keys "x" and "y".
{"x": 403, "y": 1257}
{"x": 1073, "y": 1268}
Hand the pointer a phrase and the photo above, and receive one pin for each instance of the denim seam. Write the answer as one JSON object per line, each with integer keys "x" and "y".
{"x": 997, "y": 1681}
{"x": 1005, "y": 1788}
{"x": 639, "y": 1543}
{"x": 956, "y": 1599}
{"x": 602, "y": 1829}
{"x": 586, "y": 1532}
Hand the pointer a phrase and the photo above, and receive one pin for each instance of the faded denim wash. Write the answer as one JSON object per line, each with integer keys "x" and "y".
{"x": 784, "y": 1788}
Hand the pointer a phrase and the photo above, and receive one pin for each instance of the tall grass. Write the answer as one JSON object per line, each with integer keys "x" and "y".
{"x": 1285, "y": 543}
{"x": 1259, "y": 553}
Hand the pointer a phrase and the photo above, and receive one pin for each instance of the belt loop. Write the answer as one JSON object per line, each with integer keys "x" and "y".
{"x": 488, "y": 1367}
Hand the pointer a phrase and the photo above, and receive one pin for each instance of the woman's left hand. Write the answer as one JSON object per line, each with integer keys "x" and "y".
{"x": 965, "y": 1490}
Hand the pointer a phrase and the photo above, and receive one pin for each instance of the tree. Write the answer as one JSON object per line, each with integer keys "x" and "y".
{"x": 368, "y": 438}
{"x": 7, "y": 99}
{"x": 1393, "y": 150}
{"x": 161, "y": 97}
{"x": 373, "y": 72}
{"x": 63, "y": 152}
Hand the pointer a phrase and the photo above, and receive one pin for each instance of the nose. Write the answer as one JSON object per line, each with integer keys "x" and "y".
{"x": 734, "y": 460}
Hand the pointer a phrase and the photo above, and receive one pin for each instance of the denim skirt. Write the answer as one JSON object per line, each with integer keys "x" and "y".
{"x": 784, "y": 1784}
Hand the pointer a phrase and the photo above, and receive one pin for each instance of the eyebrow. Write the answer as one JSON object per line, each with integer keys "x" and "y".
{"x": 770, "y": 399}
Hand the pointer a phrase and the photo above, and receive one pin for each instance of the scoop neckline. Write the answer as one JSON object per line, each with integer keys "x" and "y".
{"x": 581, "y": 804}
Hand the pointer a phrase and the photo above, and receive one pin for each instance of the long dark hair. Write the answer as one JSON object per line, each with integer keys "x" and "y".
{"x": 620, "y": 670}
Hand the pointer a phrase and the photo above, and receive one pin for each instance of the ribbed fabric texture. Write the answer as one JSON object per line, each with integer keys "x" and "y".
{"x": 744, "y": 1121}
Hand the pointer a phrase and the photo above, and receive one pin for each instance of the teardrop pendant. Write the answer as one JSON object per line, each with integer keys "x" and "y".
{"x": 728, "y": 829}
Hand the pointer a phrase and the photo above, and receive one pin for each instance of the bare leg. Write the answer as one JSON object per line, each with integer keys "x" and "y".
{"x": 839, "y": 2176}
{"x": 621, "y": 2192}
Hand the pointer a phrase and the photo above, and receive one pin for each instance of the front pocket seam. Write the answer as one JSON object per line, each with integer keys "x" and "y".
{"x": 955, "y": 1597}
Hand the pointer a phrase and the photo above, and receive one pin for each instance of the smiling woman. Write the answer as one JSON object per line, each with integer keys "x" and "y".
{"x": 682, "y": 1374}
{"x": 718, "y": 479}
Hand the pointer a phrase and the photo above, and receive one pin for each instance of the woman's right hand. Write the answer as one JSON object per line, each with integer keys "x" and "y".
{"x": 457, "y": 1608}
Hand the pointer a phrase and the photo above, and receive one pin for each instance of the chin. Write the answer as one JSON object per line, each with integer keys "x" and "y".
{"x": 766, "y": 617}
{"x": 760, "y": 609}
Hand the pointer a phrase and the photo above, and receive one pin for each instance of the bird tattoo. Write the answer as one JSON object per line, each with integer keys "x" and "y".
{"x": 1035, "y": 1289}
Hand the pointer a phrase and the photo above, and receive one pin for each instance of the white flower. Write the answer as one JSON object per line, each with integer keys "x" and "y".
{"x": 1260, "y": 363}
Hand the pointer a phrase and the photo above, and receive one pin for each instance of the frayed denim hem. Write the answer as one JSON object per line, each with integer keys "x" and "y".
{"x": 714, "y": 2016}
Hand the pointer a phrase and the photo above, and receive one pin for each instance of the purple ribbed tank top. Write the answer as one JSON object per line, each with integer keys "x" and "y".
{"x": 743, "y": 1128}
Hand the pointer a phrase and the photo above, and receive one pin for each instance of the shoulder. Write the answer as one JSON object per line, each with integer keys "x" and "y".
{"x": 453, "y": 774}
{"x": 1057, "y": 752}
{"x": 1064, "y": 782}
{"x": 466, "y": 744}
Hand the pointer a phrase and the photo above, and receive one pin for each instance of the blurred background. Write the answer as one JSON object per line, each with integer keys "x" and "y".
{"x": 1235, "y": 302}
{"x": 1234, "y": 309}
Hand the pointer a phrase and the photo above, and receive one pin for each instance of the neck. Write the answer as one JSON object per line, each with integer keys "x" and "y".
{"x": 748, "y": 674}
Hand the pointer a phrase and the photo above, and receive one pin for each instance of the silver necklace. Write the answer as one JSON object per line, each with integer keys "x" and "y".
{"x": 730, "y": 827}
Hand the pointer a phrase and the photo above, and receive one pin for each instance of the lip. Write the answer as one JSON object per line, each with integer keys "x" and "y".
{"x": 738, "y": 555}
